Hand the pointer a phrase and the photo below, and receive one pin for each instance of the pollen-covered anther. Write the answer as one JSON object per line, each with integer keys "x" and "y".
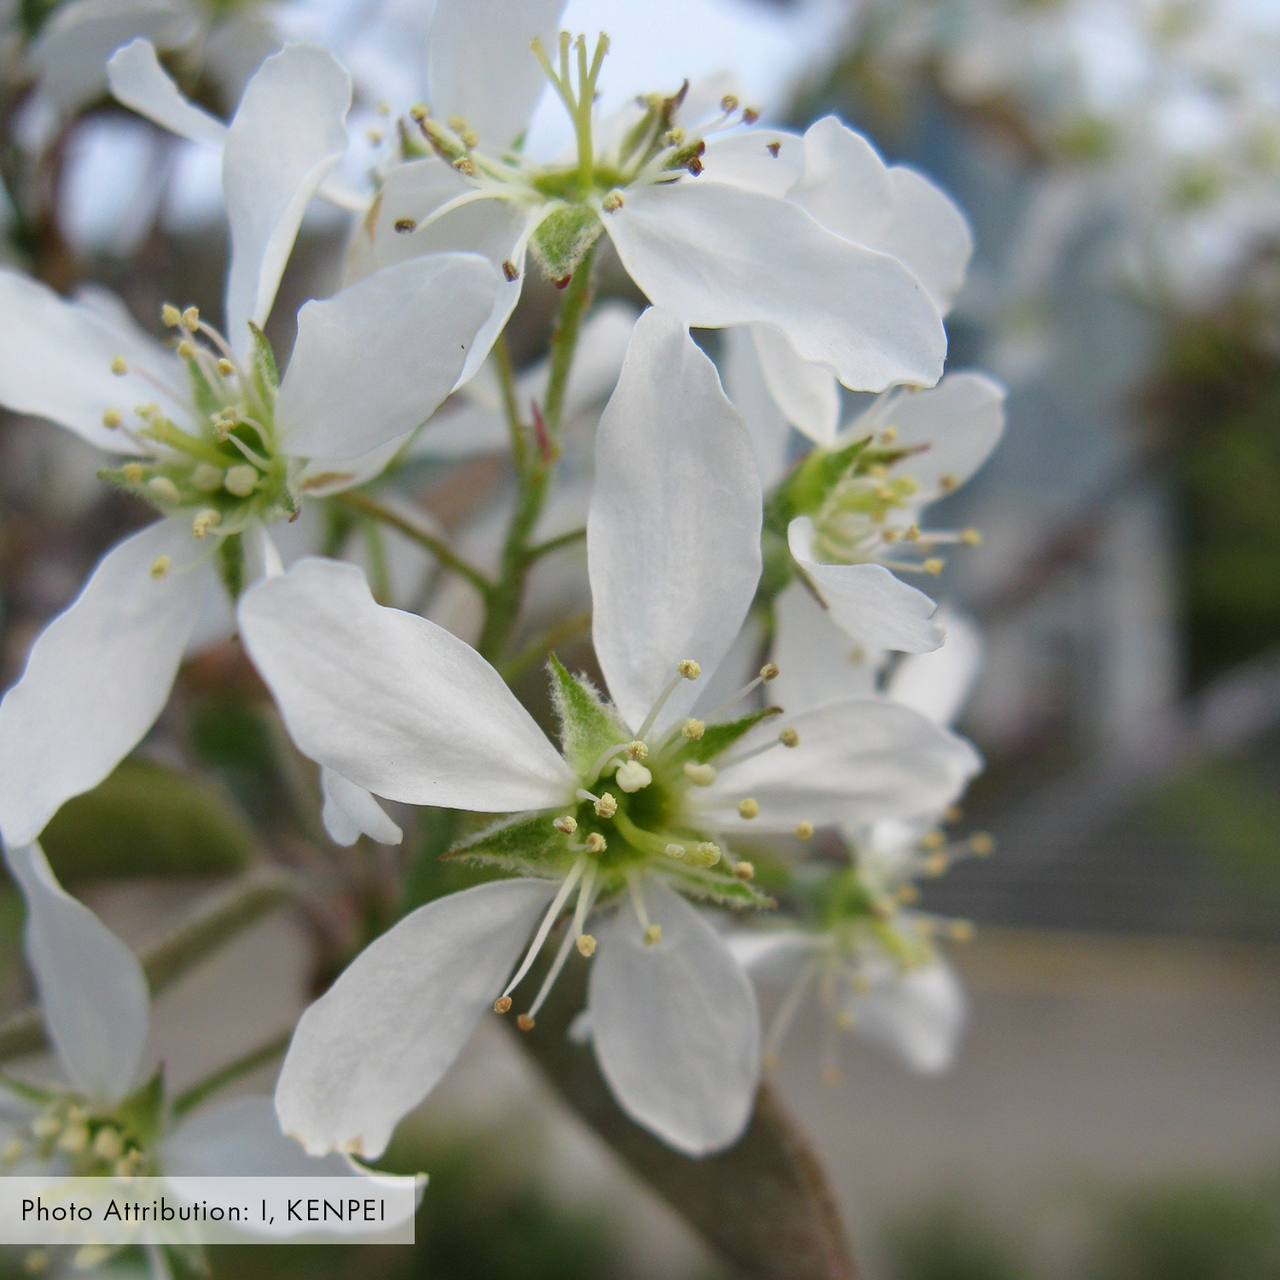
{"x": 674, "y": 850}
{"x": 469, "y": 139}
{"x": 170, "y": 315}
{"x": 119, "y": 366}
{"x": 524, "y": 1022}
{"x": 502, "y": 1004}
{"x": 510, "y": 271}
{"x": 111, "y": 419}
{"x": 789, "y": 737}
{"x": 164, "y": 489}
{"x": 186, "y": 350}
{"x": 701, "y": 775}
{"x": 970, "y": 537}
{"x": 632, "y": 777}
{"x": 586, "y": 945}
{"x": 749, "y": 808}
{"x": 108, "y": 1144}
{"x": 704, "y": 854}
{"x": 981, "y": 843}
{"x": 947, "y": 482}
{"x": 204, "y": 521}
{"x": 688, "y": 668}
{"x": 566, "y": 825}
{"x": 750, "y": 115}
{"x": 225, "y": 367}
{"x": 934, "y": 839}
{"x": 637, "y": 750}
{"x": 405, "y": 225}
{"x": 673, "y": 137}
{"x": 933, "y": 565}
{"x": 773, "y": 148}
{"x": 606, "y": 806}
{"x": 769, "y": 672}
{"x": 745, "y": 871}
{"x": 912, "y": 533}
{"x": 612, "y": 202}
{"x": 596, "y": 843}
{"x": 466, "y": 166}
{"x": 419, "y": 112}
{"x": 242, "y": 479}
{"x": 729, "y": 103}
{"x": 652, "y": 935}
{"x": 191, "y": 317}
{"x": 692, "y": 729}
{"x": 804, "y": 831}
{"x": 132, "y": 472}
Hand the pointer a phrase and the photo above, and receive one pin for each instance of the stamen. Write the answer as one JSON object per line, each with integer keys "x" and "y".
{"x": 804, "y": 831}
{"x": 191, "y": 317}
{"x": 705, "y": 853}
{"x": 607, "y": 805}
{"x": 745, "y": 870}
{"x": 701, "y": 775}
{"x": 525, "y": 1022}
{"x": 674, "y": 850}
{"x": 782, "y": 740}
{"x": 586, "y": 900}
{"x": 789, "y": 738}
{"x": 111, "y": 419}
{"x": 119, "y": 367}
{"x": 562, "y": 954}
{"x": 787, "y": 1011}
{"x": 204, "y": 521}
{"x": 688, "y": 669}
{"x": 562, "y": 896}
{"x": 768, "y": 672}
{"x": 652, "y": 932}
{"x": 596, "y": 843}
{"x": 749, "y": 808}
{"x": 692, "y": 730}
{"x": 170, "y": 315}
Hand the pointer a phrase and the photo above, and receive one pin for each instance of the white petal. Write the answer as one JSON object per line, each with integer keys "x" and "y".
{"x": 744, "y": 160}
{"x": 775, "y": 954}
{"x": 288, "y": 132}
{"x": 350, "y": 812}
{"x": 673, "y": 534}
{"x": 242, "y": 1139}
{"x": 718, "y": 255}
{"x": 482, "y": 69}
{"x": 917, "y": 1016}
{"x": 93, "y": 993}
{"x": 675, "y": 1026}
{"x": 55, "y": 361}
{"x": 857, "y": 762}
{"x": 875, "y": 609}
{"x": 139, "y": 81}
{"x": 378, "y": 1041}
{"x": 376, "y": 360}
{"x": 744, "y": 382}
{"x": 960, "y": 421}
{"x": 817, "y": 662}
{"x": 391, "y": 701}
{"x": 937, "y": 684}
{"x": 850, "y": 190}
{"x": 807, "y": 394}
{"x": 98, "y": 676}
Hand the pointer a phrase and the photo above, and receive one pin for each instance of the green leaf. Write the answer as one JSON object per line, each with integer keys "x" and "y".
{"x": 266, "y": 377}
{"x": 148, "y": 820}
{"x": 587, "y": 724}
{"x": 564, "y": 237}
{"x": 718, "y": 738}
{"x": 526, "y": 844}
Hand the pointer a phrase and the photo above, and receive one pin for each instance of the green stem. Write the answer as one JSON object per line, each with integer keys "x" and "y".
{"x": 223, "y": 1076}
{"x": 540, "y": 549}
{"x": 504, "y": 597}
{"x": 507, "y": 381}
{"x": 367, "y": 506}
{"x": 544, "y": 644}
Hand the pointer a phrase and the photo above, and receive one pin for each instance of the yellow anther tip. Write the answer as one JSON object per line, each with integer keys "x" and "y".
{"x": 652, "y": 935}
{"x": 170, "y": 315}
{"x": 749, "y": 808}
{"x": 524, "y": 1022}
{"x": 688, "y": 668}
{"x": 566, "y": 825}
{"x": 745, "y": 871}
{"x": 191, "y": 317}
{"x": 933, "y": 565}
{"x": 119, "y": 366}
{"x": 674, "y": 850}
{"x": 596, "y": 843}
{"x": 586, "y": 945}
{"x": 502, "y": 1004}
{"x": 789, "y": 738}
{"x": 981, "y": 844}
{"x": 111, "y": 419}
{"x": 804, "y": 830}
{"x": 693, "y": 729}
{"x": 606, "y": 806}
{"x": 769, "y": 672}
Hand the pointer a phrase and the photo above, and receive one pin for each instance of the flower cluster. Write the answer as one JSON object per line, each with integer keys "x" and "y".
{"x": 744, "y": 537}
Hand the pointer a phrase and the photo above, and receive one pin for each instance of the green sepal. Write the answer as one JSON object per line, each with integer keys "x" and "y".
{"x": 30, "y": 1092}
{"x": 718, "y": 738}
{"x": 564, "y": 237}
{"x": 526, "y": 844}
{"x": 723, "y": 890}
{"x": 231, "y": 564}
{"x": 806, "y": 488}
{"x": 266, "y": 377}
{"x": 142, "y": 1113}
{"x": 587, "y": 726}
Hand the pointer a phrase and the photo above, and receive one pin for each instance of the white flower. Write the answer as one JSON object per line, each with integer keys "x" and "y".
{"x": 208, "y": 436}
{"x": 857, "y": 534}
{"x": 106, "y": 1119}
{"x": 406, "y": 710}
{"x": 719, "y": 224}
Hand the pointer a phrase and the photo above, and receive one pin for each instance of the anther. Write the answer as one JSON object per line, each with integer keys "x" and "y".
{"x": 694, "y": 165}
{"x": 111, "y": 419}
{"x": 633, "y": 776}
{"x": 225, "y": 367}
{"x": 606, "y": 806}
{"x": 652, "y": 934}
{"x": 12, "y": 1150}
{"x": 469, "y": 139}
{"x": 524, "y": 1022}
{"x": 704, "y": 854}
{"x": 728, "y": 104}
{"x": 612, "y": 202}
{"x": 804, "y": 831}
{"x": 465, "y": 165}
{"x": 773, "y": 148}
{"x": 701, "y": 775}
{"x": 749, "y": 808}
{"x": 947, "y": 482}
{"x": 204, "y": 521}
{"x": 456, "y": 123}
{"x": 374, "y": 136}
{"x": 932, "y": 840}
{"x": 419, "y": 112}
{"x": 170, "y": 315}
{"x": 688, "y": 668}
{"x": 595, "y": 843}
{"x": 913, "y": 532}
{"x": 935, "y": 864}
{"x": 789, "y": 738}
{"x": 933, "y": 565}
{"x": 673, "y": 137}
{"x": 164, "y": 488}
{"x": 888, "y": 435}
{"x": 118, "y": 366}
{"x": 186, "y": 350}
{"x": 693, "y": 729}
{"x": 241, "y": 480}
{"x": 566, "y": 825}
{"x": 970, "y": 537}
{"x": 960, "y": 931}
{"x": 750, "y": 115}
{"x": 191, "y": 317}
{"x": 510, "y": 271}
{"x": 637, "y": 750}
{"x": 769, "y": 672}
{"x": 74, "y": 1138}
{"x": 405, "y": 225}
{"x": 502, "y": 1004}
{"x": 132, "y": 472}
{"x": 586, "y": 945}
{"x": 108, "y": 1144}
{"x": 981, "y": 843}
{"x": 674, "y": 850}
{"x": 745, "y": 871}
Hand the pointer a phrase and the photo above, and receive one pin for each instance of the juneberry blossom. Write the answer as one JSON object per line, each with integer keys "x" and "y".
{"x": 210, "y": 435}
{"x": 630, "y": 813}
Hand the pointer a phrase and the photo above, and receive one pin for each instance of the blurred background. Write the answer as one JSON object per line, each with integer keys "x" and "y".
{"x": 1115, "y": 1108}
